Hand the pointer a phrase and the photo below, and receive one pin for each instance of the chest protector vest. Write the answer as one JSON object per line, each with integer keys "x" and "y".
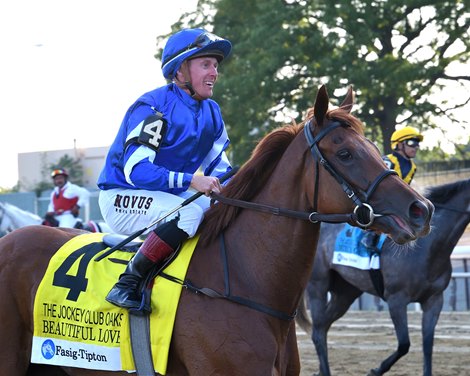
{"x": 62, "y": 203}
{"x": 396, "y": 166}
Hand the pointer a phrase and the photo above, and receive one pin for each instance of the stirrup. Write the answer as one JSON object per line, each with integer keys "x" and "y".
{"x": 142, "y": 308}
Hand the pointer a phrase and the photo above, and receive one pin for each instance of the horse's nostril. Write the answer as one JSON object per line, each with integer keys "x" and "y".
{"x": 419, "y": 211}
{"x": 416, "y": 212}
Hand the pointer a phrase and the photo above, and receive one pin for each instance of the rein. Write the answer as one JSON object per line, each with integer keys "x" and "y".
{"x": 363, "y": 214}
{"x": 313, "y": 217}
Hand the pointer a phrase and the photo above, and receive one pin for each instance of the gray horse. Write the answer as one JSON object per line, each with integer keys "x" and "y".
{"x": 417, "y": 274}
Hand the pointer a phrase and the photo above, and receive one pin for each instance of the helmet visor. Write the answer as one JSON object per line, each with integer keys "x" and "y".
{"x": 202, "y": 40}
{"x": 58, "y": 171}
{"x": 412, "y": 143}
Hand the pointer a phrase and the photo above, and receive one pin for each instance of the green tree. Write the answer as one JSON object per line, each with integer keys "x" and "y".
{"x": 15, "y": 188}
{"x": 73, "y": 167}
{"x": 396, "y": 54}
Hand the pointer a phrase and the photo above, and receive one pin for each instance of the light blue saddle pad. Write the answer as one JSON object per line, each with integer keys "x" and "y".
{"x": 351, "y": 252}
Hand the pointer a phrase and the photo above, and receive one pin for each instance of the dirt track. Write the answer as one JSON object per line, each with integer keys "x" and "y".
{"x": 362, "y": 339}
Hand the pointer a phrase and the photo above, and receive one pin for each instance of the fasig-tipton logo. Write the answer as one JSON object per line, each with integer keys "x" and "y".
{"x": 49, "y": 350}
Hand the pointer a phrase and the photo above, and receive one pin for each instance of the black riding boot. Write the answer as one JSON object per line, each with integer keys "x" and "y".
{"x": 125, "y": 292}
{"x": 159, "y": 244}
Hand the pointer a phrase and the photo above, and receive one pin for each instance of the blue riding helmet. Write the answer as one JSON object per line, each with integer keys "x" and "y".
{"x": 189, "y": 43}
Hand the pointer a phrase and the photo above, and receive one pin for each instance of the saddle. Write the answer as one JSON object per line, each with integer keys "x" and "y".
{"x": 50, "y": 221}
{"x": 112, "y": 240}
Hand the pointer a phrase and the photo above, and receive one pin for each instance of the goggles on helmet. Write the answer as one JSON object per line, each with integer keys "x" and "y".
{"x": 58, "y": 171}
{"x": 412, "y": 142}
{"x": 202, "y": 40}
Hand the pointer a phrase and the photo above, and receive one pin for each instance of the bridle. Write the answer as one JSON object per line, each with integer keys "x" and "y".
{"x": 363, "y": 214}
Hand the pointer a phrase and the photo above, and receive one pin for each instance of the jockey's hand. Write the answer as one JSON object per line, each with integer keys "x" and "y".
{"x": 75, "y": 210}
{"x": 206, "y": 184}
{"x": 49, "y": 214}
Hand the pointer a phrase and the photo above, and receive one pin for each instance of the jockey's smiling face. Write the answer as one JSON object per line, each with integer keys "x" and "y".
{"x": 203, "y": 72}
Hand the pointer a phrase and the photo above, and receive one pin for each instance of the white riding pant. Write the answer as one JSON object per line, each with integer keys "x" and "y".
{"x": 128, "y": 210}
{"x": 66, "y": 219}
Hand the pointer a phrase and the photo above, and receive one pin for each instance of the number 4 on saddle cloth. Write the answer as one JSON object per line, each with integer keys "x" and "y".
{"x": 358, "y": 248}
{"x": 75, "y": 326}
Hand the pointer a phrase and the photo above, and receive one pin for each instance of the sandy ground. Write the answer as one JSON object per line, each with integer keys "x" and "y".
{"x": 360, "y": 340}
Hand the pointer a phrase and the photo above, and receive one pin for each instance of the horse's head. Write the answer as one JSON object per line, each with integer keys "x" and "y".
{"x": 381, "y": 200}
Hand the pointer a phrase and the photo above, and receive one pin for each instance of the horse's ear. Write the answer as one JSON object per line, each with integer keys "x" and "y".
{"x": 321, "y": 105}
{"x": 348, "y": 102}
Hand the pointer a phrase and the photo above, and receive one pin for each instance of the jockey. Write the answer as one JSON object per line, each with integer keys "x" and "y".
{"x": 65, "y": 202}
{"x": 166, "y": 137}
{"x": 405, "y": 144}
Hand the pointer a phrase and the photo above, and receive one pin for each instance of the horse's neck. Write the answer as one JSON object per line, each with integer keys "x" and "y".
{"x": 20, "y": 218}
{"x": 271, "y": 259}
{"x": 449, "y": 228}
{"x": 275, "y": 253}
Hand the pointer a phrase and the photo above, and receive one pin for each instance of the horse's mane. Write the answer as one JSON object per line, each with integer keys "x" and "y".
{"x": 254, "y": 173}
{"x": 248, "y": 181}
{"x": 442, "y": 193}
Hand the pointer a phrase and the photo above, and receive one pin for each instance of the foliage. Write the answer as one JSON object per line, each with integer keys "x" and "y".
{"x": 15, "y": 188}
{"x": 396, "y": 54}
{"x": 73, "y": 167}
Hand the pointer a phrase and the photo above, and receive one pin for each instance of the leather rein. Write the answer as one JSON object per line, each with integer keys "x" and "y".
{"x": 363, "y": 214}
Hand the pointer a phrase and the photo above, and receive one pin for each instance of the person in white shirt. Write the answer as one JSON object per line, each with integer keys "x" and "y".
{"x": 66, "y": 201}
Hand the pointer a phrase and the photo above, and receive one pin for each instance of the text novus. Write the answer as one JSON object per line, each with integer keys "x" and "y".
{"x": 132, "y": 204}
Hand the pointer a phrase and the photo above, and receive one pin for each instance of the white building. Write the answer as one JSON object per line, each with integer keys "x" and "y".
{"x": 32, "y": 167}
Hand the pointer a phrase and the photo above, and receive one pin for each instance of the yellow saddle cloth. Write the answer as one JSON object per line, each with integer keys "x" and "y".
{"x": 75, "y": 326}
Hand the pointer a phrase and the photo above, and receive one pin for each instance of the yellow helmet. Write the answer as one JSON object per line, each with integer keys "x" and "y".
{"x": 405, "y": 134}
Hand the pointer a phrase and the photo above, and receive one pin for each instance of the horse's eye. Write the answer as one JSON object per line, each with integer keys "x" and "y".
{"x": 344, "y": 155}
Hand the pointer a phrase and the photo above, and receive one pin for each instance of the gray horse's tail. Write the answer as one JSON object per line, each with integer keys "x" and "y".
{"x": 302, "y": 319}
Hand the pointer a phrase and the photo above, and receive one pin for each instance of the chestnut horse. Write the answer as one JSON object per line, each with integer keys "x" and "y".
{"x": 257, "y": 257}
